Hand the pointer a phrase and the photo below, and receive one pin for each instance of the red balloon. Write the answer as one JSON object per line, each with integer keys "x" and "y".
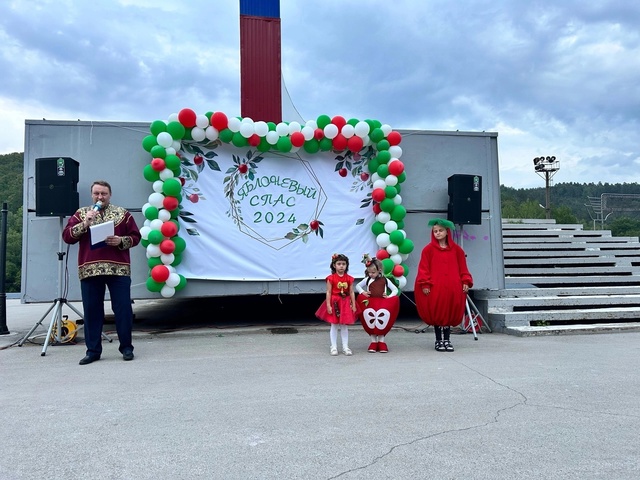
{"x": 376, "y": 208}
{"x": 396, "y": 168}
{"x": 382, "y": 254}
{"x": 394, "y": 138}
{"x": 318, "y": 134}
{"x": 339, "y": 142}
{"x": 355, "y": 144}
{"x": 378, "y": 194}
{"x": 254, "y": 140}
{"x": 397, "y": 271}
{"x": 187, "y": 117}
{"x": 167, "y": 246}
{"x": 160, "y": 273}
{"x": 158, "y": 164}
{"x": 297, "y": 139}
{"x": 171, "y": 203}
{"x": 169, "y": 229}
{"x": 339, "y": 122}
{"x": 219, "y": 121}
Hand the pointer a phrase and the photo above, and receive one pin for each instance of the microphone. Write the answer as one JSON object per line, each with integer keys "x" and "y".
{"x": 98, "y": 206}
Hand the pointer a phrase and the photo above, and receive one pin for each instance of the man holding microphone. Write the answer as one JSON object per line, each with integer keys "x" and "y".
{"x": 102, "y": 267}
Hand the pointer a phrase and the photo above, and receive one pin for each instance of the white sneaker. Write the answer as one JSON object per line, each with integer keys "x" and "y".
{"x": 334, "y": 351}
{"x": 347, "y": 351}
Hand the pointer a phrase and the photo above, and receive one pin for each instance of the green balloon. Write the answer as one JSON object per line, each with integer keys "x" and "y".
{"x": 398, "y": 188}
{"x": 179, "y": 243}
{"x": 182, "y": 284}
{"x": 172, "y": 187}
{"x": 323, "y": 121}
{"x": 383, "y": 170}
{"x": 157, "y": 127}
{"x": 226, "y": 135}
{"x": 150, "y": 174}
{"x": 283, "y": 144}
{"x": 177, "y": 259}
{"x": 406, "y": 246}
{"x": 396, "y": 237}
{"x": 154, "y": 286}
{"x": 172, "y": 162}
{"x": 383, "y": 145}
{"x": 144, "y": 243}
{"x": 402, "y": 177}
{"x": 264, "y": 146}
{"x": 377, "y": 228}
{"x": 398, "y": 213}
{"x": 387, "y": 266}
{"x": 158, "y": 151}
{"x": 272, "y": 126}
{"x": 311, "y": 146}
{"x": 149, "y": 142}
{"x": 405, "y": 268}
{"x": 151, "y": 213}
{"x": 384, "y": 156}
{"x": 155, "y": 237}
{"x": 154, "y": 261}
{"x": 176, "y": 130}
{"x": 400, "y": 224}
{"x": 389, "y": 191}
{"x": 373, "y": 165}
{"x": 238, "y": 140}
{"x": 326, "y": 144}
{"x": 387, "y": 205}
{"x": 376, "y": 135}
{"x": 175, "y": 213}
{"x": 353, "y": 121}
{"x": 187, "y": 134}
{"x": 376, "y": 124}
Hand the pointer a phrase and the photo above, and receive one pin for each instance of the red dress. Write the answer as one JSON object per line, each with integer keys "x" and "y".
{"x": 340, "y": 296}
{"x": 443, "y": 271}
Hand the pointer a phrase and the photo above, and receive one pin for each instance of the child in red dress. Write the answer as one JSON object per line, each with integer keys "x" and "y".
{"x": 339, "y": 308}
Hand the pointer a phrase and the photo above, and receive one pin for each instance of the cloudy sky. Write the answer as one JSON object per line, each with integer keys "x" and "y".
{"x": 550, "y": 77}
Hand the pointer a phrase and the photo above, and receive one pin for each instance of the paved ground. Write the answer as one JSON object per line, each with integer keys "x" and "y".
{"x": 238, "y": 401}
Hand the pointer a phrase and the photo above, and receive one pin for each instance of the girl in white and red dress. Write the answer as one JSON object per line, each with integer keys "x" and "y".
{"x": 339, "y": 308}
{"x": 378, "y": 304}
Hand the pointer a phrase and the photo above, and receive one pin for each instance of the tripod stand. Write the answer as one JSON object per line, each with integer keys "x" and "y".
{"x": 55, "y": 326}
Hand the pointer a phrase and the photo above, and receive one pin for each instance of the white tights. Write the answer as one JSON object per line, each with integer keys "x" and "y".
{"x": 377, "y": 338}
{"x": 344, "y": 333}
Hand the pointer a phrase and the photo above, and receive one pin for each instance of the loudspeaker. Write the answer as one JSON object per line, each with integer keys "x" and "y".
{"x": 57, "y": 186}
{"x": 465, "y": 199}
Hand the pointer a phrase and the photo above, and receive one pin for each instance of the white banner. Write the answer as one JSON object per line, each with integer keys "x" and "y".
{"x": 249, "y": 215}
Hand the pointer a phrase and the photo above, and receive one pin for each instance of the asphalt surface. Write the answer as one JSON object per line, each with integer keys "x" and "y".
{"x": 219, "y": 392}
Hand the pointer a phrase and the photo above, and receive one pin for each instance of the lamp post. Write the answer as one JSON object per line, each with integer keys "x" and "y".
{"x": 546, "y": 167}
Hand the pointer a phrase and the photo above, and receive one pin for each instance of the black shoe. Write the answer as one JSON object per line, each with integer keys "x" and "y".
{"x": 128, "y": 355}
{"x": 89, "y": 359}
{"x": 447, "y": 346}
{"x": 440, "y": 346}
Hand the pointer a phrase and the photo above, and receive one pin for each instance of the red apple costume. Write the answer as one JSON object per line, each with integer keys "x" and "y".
{"x": 377, "y": 313}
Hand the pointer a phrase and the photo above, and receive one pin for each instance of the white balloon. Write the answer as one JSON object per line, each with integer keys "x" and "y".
{"x": 366, "y": 141}
{"x": 157, "y": 186}
{"x": 404, "y": 257}
{"x": 198, "y": 134}
{"x": 312, "y": 124}
{"x": 173, "y": 280}
{"x": 395, "y": 151}
{"x": 156, "y": 224}
{"x": 348, "y": 130}
{"x": 234, "y": 124}
{"x": 390, "y": 226}
{"x": 282, "y": 129}
{"x": 307, "y": 132}
{"x": 202, "y": 121}
{"x": 386, "y": 129}
{"x": 402, "y": 281}
{"x": 294, "y": 127}
{"x": 164, "y": 139}
{"x": 247, "y": 129}
{"x": 144, "y": 232}
{"x": 294, "y": 149}
{"x": 170, "y": 150}
{"x": 272, "y": 137}
{"x": 172, "y": 118}
{"x": 167, "y": 258}
{"x": 212, "y": 133}
{"x": 392, "y": 250}
{"x": 383, "y": 217}
{"x": 156, "y": 199}
{"x": 375, "y": 177}
{"x": 261, "y": 128}
{"x": 153, "y": 251}
{"x": 383, "y": 240}
{"x": 397, "y": 260}
{"x": 391, "y": 180}
{"x": 362, "y": 129}
{"x": 164, "y": 214}
{"x": 167, "y": 291}
{"x": 176, "y": 146}
{"x": 146, "y": 222}
{"x": 379, "y": 183}
{"x": 397, "y": 200}
{"x": 166, "y": 173}
{"x": 331, "y": 131}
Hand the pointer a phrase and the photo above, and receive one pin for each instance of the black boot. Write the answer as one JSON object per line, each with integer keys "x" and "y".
{"x": 446, "y": 342}
{"x": 439, "y": 343}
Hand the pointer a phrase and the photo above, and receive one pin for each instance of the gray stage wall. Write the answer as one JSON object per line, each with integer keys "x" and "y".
{"x": 113, "y": 151}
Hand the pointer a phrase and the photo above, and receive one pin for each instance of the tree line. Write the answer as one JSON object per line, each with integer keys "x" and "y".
{"x": 570, "y": 204}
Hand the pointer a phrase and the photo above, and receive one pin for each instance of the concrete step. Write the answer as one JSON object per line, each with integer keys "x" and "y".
{"x": 548, "y": 302}
{"x": 541, "y": 226}
{"x": 562, "y": 253}
{"x": 553, "y": 269}
{"x": 573, "y": 280}
{"x": 557, "y": 291}
{"x": 572, "y": 329}
{"x": 576, "y": 316}
{"x": 567, "y": 261}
